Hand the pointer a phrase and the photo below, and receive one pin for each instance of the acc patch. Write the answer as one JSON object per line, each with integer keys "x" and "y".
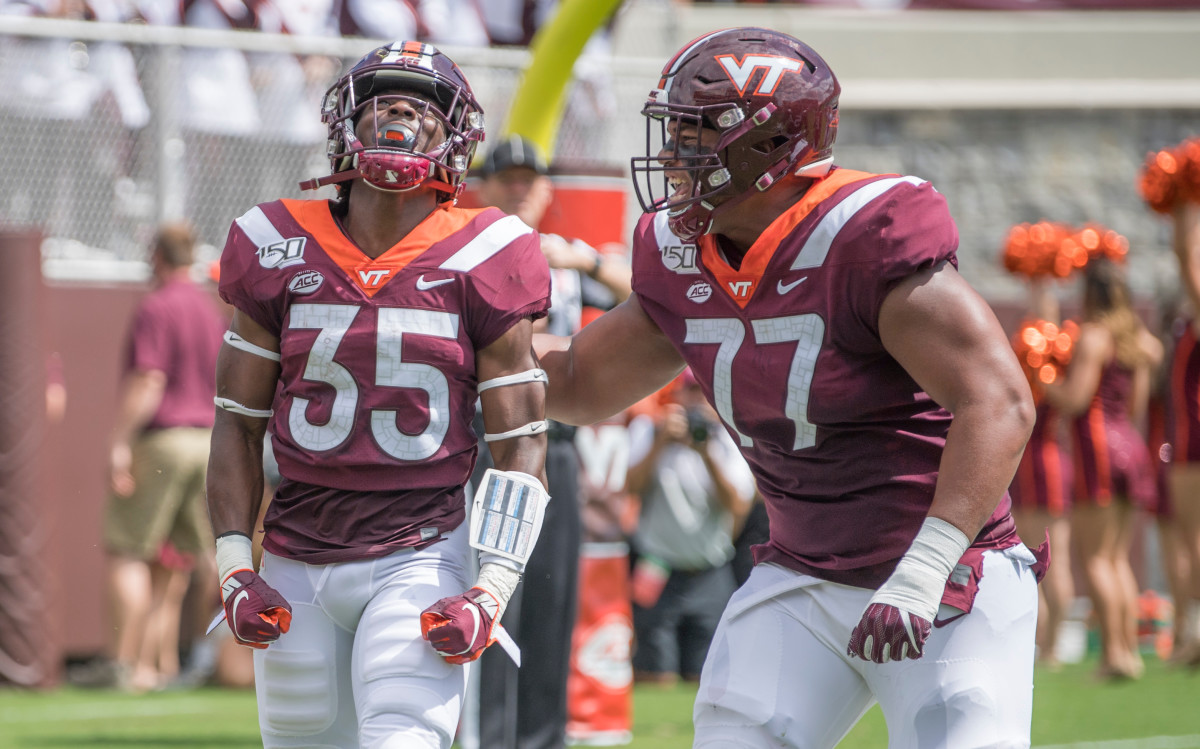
{"x": 699, "y": 292}
{"x": 282, "y": 254}
{"x": 306, "y": 282}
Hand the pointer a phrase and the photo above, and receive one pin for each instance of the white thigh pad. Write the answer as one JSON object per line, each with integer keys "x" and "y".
{"x": 507, "y": 513}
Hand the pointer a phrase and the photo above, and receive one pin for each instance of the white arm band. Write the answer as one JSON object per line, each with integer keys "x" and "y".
{"x": 530, "y": 429}
{"x": 235, "y": 340}
{"x": 920, "y": 578}
{"x": 506, "y": 517}
{"x": 234, "y": 553}
{"x": 529, "y": 375}
{"x": 238, "y": 408}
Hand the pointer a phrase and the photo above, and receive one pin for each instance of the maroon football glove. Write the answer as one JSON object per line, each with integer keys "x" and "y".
{"x": 256, "y": 612}
{"x": 460, "y": 627}
{"x": 886, "y": 633}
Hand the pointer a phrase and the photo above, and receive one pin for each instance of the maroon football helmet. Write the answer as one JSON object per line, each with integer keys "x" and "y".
{"x": 773, "y": 103}
{"x": 402, "y": 70}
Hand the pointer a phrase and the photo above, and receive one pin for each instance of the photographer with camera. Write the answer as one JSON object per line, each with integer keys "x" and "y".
{"x": 695, "y": 489}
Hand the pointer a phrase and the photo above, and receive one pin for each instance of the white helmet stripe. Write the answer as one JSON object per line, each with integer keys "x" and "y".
{"x": 681, "y": 58}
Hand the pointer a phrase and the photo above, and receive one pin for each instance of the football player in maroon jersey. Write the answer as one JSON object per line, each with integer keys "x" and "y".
{"x": 872, "y": 391}
{"x": 366, "y": 327}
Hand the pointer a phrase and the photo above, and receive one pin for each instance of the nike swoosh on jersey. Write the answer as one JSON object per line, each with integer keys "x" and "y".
{"x": 784, "y": 288}
{"x": 423, "y": 285}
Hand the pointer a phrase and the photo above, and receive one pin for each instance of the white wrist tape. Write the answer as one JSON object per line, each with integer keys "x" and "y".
{"x": 530, "y": 429}
{"x": 507, "y": 514}
{"x": 920, "y": 578}
{"x": 237, "y": 408}
{"x": 529, "y": 375}
{"x": 499, "y": 580}
{"x": 234, "y": 552}
{"x": 235, "y": 340}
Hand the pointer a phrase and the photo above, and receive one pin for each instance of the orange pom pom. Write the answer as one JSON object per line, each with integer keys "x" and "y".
{"x": 1039, "y": 249}
{"x": 1171, "y": 175}
{"x": 1099, "y": 241}
{"x": 1188, "y": 155}
{"x": 1044, "y": 350}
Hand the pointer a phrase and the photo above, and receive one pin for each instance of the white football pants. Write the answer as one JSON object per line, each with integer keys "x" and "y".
{"x": 353, "y": 671}
{"x": 777, "y": 673}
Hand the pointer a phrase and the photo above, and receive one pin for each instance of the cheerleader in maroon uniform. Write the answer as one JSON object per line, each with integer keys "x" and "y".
{"x": 1183, "y": 428}
{"x": 1041, "y": 495}
{"x": 1105, "y": 391}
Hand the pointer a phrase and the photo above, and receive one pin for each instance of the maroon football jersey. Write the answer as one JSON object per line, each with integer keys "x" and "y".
{"x": 372, "y": 415}
{"x": 844, "y": 444}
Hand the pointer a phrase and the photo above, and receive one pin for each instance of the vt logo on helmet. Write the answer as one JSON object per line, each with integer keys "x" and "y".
{"x": 403, "y": 116}
{"x": 734, "y": 111}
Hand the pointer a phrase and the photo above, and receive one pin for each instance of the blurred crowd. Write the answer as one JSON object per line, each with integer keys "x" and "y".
{"x": 448, "y": 22}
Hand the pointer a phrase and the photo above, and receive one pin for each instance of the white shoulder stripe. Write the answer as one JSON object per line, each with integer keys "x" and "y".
{"x": 663, "y": 236}
{"x": 487, "y": 243}
{"x": 812, "y": 255}
{"x": 258, "y": 228}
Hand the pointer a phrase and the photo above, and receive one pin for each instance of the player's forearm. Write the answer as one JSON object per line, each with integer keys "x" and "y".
{"x": 141, "y": 396}
{"x": 524, "y": 454}
{"x": 983, "y": 448}
{"x": 235, "y": 473}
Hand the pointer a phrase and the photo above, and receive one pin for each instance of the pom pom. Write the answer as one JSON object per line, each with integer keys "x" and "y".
{"x": 1170, "y": 176}
{"x": 1041, "y": 249}
{"x": 1099, "y": 241}
{"x": 1044, "y": 350}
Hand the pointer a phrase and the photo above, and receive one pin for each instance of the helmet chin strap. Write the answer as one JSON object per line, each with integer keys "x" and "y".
{"x": 699, "y": 226}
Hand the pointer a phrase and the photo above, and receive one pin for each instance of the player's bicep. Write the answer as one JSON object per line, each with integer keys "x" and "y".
{"x": 248, "y": 365}
{"x": 512, "y": 394}
{"x": 949, "y": 341}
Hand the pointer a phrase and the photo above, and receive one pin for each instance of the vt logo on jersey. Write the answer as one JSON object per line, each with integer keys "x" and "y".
{"x": 374, "y": 278}
{"x": 773, "y": 66}
{"x": 741, "y": 289}
{"x": 282, "y": 254}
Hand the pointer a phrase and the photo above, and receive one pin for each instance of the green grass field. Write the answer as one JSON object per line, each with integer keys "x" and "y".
{"x": 1162, "y": 711}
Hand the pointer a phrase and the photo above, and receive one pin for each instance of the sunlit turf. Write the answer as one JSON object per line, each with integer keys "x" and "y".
{"x": 1070, "y": 707}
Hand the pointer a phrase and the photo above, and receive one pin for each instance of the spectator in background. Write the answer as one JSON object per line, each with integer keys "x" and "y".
{"x": 289, "y": 88}
{"x": 1105, "y": 392}
{"x": 379, "y": 19}
{"x": 65, "y": 92}
{"x": 1183, "y": 423}
{"x": 526, "y": 708}
{"x": 1041, "y": 494}
{"x": 695, "y": 488}
{"x": 155, "y": 522}
{"x": 218, "y": 112}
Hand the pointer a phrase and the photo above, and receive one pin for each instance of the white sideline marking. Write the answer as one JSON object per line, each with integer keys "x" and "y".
{"x": 102, "y": 710}
{"x": 1155, "y": 742}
